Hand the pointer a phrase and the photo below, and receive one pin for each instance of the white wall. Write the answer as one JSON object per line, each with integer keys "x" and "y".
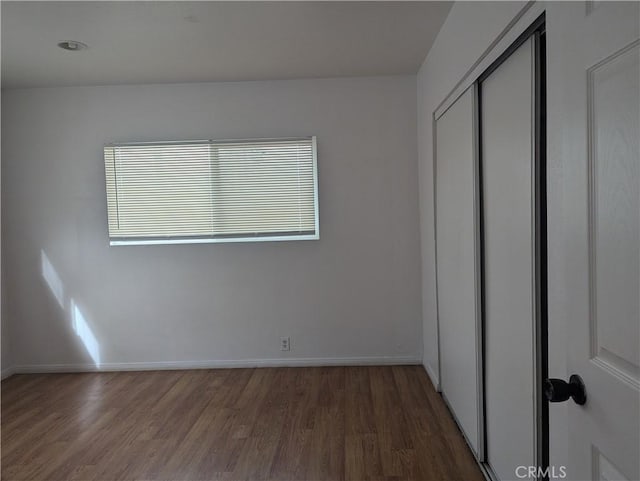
{"x": 353, "y": 296}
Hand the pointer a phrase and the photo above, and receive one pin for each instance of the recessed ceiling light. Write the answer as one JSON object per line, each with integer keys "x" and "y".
{"x": 72, "y": 45}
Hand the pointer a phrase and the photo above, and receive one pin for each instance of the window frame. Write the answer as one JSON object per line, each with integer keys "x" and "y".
{"x": 264, "y": 237}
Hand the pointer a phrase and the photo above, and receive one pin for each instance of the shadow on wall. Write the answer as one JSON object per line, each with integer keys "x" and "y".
{"x": 78, "y": 321}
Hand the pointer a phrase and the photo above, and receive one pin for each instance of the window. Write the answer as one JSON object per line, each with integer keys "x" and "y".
{"x": 212, "y": 191}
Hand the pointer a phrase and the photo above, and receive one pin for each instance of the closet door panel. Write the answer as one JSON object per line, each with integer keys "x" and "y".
{"x": 456, "y": 263}
{"x": 507, "y": 132}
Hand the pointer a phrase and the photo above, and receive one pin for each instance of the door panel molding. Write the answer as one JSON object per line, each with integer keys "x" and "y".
{"x": 603, "y": 469}
{"x": 611, "y": 348}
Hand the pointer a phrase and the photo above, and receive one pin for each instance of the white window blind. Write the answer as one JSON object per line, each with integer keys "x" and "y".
{"x": 212, "y": 191}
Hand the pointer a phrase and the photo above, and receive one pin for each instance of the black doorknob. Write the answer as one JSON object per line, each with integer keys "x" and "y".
{"x": 557, "y": 390}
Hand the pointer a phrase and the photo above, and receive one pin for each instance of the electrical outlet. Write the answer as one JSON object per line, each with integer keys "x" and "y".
{"x": 285, "y": 344}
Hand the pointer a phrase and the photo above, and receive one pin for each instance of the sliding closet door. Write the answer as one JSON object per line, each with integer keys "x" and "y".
{"x": 456, "y": 263}
{"x": 507, "y": 156}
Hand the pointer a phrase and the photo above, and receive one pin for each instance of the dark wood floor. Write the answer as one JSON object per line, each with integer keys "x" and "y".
{"x": 353, "y": 423}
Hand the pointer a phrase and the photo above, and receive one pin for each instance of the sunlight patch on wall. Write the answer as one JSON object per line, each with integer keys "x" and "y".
{"x": 52, "y": 278}
{"x": 78, "y": 321}
{"x": 84, "y": 332}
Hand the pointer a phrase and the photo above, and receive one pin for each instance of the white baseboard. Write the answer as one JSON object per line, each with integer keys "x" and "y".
{"x": 216, "y": 364}
{"x": 5, "y": 373}
{"x": 433, "y": 376}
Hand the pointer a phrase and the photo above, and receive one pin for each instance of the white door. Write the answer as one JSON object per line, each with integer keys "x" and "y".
{"x": 508, "y": 169}
{"x": 458, "y": 312}
{"x": 594, "y": 230}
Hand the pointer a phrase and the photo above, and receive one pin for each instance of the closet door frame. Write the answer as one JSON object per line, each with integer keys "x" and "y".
{"x": 530, "y": 22}
{"x": 535, "y": 31}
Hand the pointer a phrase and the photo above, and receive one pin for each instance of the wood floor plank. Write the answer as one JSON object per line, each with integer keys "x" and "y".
{"x": 270, "y": 424}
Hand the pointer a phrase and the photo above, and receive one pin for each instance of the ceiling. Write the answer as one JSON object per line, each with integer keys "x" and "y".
{"x": 172, "y": 42}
